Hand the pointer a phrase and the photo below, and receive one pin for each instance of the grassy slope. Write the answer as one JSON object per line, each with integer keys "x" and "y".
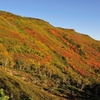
{"x": 59, "y": 59}
{"x": 13, "y": 81}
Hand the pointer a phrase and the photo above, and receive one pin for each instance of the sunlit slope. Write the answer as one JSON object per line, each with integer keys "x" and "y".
{"x": 58, "y": 58}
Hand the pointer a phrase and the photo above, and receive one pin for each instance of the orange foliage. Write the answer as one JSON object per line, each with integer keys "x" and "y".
{"x": 66, "y": 53}
{"x": 55, "y": 33}
{"x": 73, "y": 48}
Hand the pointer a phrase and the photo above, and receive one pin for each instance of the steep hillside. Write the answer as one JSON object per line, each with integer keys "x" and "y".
{"x": 44, "y": 62}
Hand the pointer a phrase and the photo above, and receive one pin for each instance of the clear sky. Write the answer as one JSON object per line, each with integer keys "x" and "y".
{"x": 81, "y": 15}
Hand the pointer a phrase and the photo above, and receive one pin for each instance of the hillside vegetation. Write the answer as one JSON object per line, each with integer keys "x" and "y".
{"x": 41, "y": 62}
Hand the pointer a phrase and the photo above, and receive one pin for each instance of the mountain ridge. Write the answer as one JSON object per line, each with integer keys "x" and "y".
{"x": 62, "y": 61}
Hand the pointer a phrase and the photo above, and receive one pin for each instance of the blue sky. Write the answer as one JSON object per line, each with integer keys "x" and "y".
{"x": 81, "y": 15}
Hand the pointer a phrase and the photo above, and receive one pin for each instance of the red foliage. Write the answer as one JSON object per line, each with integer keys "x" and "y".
{"x": 55, "y": 33}
{"x": 82, "y": 72}
{"x": 46, "y": 59}
{"x": 65, "y": 68}
{"x": 14, "y": 35}
{"x": 1, "y": 35}
{"x": 30, "y": 31}
{"x": 64, "y": 40}
{"x": 73, "y": 48}
{"x": 66, "y": 53}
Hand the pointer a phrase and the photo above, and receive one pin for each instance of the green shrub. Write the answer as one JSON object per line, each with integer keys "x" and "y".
{"x": 3, "y": 96}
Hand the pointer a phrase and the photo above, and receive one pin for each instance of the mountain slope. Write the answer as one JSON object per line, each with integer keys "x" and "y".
{"x": 61, "y": 61}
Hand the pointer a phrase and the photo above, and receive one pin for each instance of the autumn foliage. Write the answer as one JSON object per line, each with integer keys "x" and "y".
{"x": 58, "y": 59}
